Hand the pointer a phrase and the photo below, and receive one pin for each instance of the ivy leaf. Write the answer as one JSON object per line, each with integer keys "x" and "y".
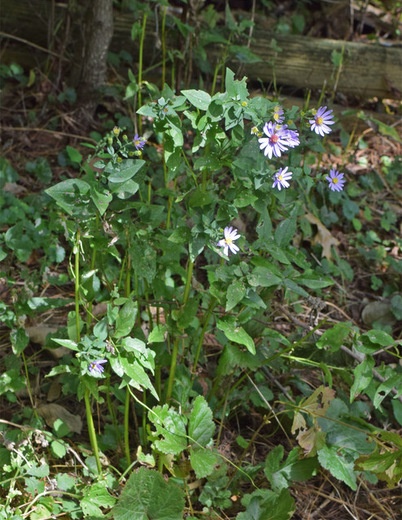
{"x": 147, "y": 495}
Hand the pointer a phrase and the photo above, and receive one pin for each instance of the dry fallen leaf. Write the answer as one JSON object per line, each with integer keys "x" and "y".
{"x": 323, "y": 236}
{"x": 51, "y": 412}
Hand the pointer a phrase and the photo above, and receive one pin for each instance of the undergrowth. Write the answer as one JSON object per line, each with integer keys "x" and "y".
{"x": 196, "y": 260}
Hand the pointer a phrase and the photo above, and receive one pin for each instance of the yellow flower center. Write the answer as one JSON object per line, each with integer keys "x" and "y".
{"x": 335, "y": 180}
{"x": 229, "y": 241}
{"x": 319, "y": 121}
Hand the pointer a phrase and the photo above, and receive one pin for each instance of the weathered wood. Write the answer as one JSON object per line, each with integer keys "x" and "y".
{"x": 368, "y": 69}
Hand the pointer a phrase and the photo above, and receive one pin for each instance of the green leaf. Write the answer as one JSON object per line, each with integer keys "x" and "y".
{"x": 203, "y": 461}
{"x": 74, "y": 155}
{"x": 124, "y": 171}
{"x": 19, "y": 340}
{"x": 170, "y": 435}
{"x": 235, "y": 293}
{"x": 377, "y": 338}
{"x": 201, "y": 425}
{"x": 69, "y": 194}
{"x": 198, "y": 98}
{"x": 148, "y": 496}
{"x": 336, "y": 464}
{"x": 263, "y": 277}
{"x": 101, "y": 199}
{"x": 236, "y": 334}
{"x": 386, "y": 387}
{"x": 125, "y": 319}
{"x": 363, "y": 376}
{"x": 96, "y": 496}
{"x": 334, "y": 338}
{"x": 157, "y": 334}
{"x": 265, "y": 504}
{"x": 286, "y": 230}
{"x": 68, "y": 343}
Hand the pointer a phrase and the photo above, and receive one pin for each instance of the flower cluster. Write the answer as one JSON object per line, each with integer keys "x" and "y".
{"x": 279, "y": 138}
{"x": 275, "y": 139}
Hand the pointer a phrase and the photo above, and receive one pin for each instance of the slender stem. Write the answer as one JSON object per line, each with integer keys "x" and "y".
{"x": 187, "y": 288}
{"x": 172, "y": 371}
{"x": 126, "y": 427}
{"x": 163, "y": 38}
{"x": 91, "y": 429}
{"x": 202, "y": 335}
{"x": 140, "y": 65}
{"x": 77, "y": 285}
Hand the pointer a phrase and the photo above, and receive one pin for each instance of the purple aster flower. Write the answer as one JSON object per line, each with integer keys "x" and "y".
{"x": 322, "y": 118}
{"x": 292, "y": 138}
{"x": 336, "y": 180}
{"x": 276, "y": 141}
{"x": 230, "y": 235}
{"x": 95, "y": 367}
{"x": 278, "y": 114}
{"x": 138, "y": 142}
{"x": 281, "y": 178}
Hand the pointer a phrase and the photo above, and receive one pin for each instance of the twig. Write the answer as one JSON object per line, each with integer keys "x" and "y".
{"x": 31, "y": 44}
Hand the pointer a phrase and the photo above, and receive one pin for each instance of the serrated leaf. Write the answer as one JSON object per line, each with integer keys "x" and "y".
{"x": 203, "y": 461}
{"x": 170, "y": 435}
{"x": 336, "y": 464}
{"x": 201, "y": 426}
{"x": 95, "y": 497}
{"x": 148, "y": 496}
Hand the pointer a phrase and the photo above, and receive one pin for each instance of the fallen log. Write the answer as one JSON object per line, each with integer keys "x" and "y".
{"x": 364, "y": 70}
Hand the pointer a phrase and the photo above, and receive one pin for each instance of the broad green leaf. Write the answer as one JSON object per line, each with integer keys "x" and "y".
{"x": 96, "y": 496}
{"x": 101, "y": 199}
{"x": 337, "y": 465}
{"x": 235, "y": 293}
{"x": 265, "y": 504}
{"x": 198, "y": 98}
{"x": 74, "y": 155}
{"x": 236, "y": 334}
{"x": 376, "y": 339}
{"x": 157, "y": 334}
{"x": 334, "y": 337}
{"x": 170, "y": 435}
{"x": 201, "y": 426}
{"x": 123, "y": 171}
{"x": 138, "y": 377}
{"x": 70, "y": 194}
{"x": 125, "y": 319}
{"x": 286, "y": 230}
{"x": 147, "y": 496}
{"x": 203, "y": 461}
{"x": 263, "y": 277}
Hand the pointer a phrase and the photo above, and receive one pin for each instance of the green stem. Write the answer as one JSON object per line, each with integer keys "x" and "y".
{"x": 126, "y": 426}
{"x": 77, "y": 285}
{"x": 187, "y": 288}
{"x": 91, "y": 430}
{"x": 140, "y": 65}
{"x": 202, "y": 335}
{"x": 163, "y": 38}
{"x": 172, "y": 371}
